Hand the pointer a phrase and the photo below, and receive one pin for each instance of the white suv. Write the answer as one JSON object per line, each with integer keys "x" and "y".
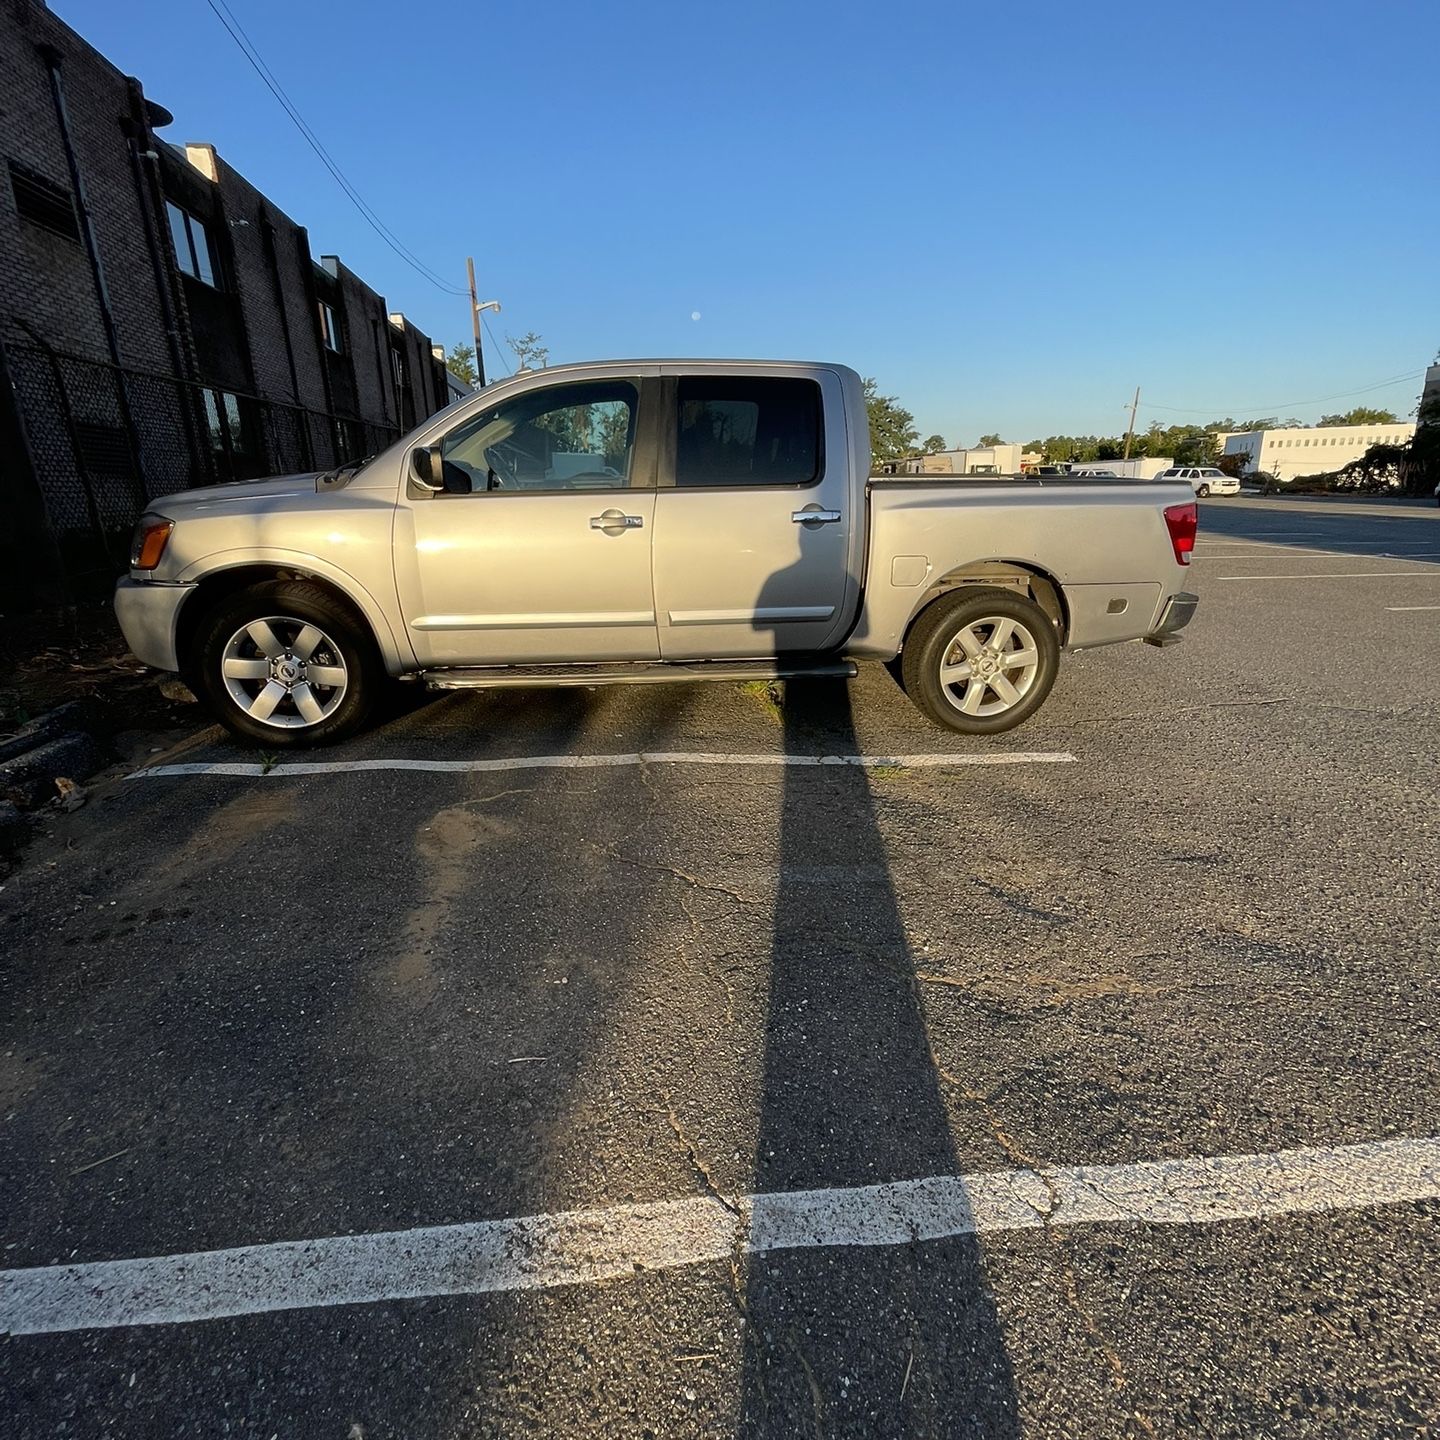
{"x": 1204, "y": 479}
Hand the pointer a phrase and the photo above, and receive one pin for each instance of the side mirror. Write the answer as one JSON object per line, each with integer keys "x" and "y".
{"x": 427, "y": 469}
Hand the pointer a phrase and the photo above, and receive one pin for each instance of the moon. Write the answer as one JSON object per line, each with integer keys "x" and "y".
{"x": 694, "y": 314}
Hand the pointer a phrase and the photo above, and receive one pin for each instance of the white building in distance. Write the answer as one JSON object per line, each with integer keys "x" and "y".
{"x": 1312, "y": 451}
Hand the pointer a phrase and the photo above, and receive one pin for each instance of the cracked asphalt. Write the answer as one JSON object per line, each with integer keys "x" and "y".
{"x": 242, "y": 1010}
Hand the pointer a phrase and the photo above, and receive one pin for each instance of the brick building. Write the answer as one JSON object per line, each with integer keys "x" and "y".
{"x": 162, "y": 323}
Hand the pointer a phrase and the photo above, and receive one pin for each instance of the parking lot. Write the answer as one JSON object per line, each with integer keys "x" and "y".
{"x": 641, "y": 983}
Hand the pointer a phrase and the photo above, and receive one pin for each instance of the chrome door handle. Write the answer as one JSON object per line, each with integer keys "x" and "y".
{"x": 814, "y": 515}
{"x": 614, "y": 521}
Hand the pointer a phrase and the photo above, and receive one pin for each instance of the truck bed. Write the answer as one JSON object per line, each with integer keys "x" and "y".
{"x": 1101, "y": 543}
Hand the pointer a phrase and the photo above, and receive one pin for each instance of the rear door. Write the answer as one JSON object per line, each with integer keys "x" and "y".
{"x": 753, "y": 522}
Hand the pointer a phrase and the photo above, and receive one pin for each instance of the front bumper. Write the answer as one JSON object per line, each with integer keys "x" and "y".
{"x": 149, "y": 614}
{"x": 1179, "y": 611}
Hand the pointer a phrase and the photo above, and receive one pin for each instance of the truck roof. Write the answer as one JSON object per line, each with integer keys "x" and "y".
{"x": 697, "y": 361}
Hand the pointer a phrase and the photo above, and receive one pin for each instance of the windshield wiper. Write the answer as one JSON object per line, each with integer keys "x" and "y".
{"x": 329, "y": 477}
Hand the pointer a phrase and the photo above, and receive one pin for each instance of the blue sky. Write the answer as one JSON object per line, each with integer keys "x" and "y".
{"x": 1010, "y": 215}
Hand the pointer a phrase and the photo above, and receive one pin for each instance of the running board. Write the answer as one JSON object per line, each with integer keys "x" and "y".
{"x": 499, "y": 677}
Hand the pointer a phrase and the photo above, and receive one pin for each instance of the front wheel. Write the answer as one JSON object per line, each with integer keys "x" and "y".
{"x": 285, "y": 664}
{"x": 1203, "y": 491}
{"x": 981, "y": 661}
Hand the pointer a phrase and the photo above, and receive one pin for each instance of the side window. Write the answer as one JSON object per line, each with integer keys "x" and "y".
{"x": 565, "y": 437}
{"x": 747, "y": 431}
{"x": 192, "y": 244}
{"x": 329, "y": 327}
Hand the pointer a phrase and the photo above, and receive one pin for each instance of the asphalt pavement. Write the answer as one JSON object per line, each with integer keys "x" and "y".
{"x": 1200, "y": 921}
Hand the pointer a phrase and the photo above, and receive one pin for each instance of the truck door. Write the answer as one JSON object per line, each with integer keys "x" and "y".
{"x": 537, "y": 549}
{"x": 753, "y": 522}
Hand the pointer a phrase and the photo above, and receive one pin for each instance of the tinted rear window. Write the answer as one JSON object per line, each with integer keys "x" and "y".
{"x": 747, "y": 431}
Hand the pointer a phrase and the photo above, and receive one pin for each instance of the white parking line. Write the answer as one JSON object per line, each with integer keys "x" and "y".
{"x": 256, "y": 770}
{"x": 1432, "y": 574}
{"x": 1266, "y": 536}
{"x": 1412, "y": 607}
{"x": 1271, "y": 553}
{"x": 583, "y": 1246}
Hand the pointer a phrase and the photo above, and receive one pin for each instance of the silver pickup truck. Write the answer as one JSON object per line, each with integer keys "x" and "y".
{"x": 639, "y": 521}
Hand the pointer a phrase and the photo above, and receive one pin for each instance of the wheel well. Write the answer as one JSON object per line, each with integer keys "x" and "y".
{"x": 1026, "y": 580}
{"x": 223, "y": 583}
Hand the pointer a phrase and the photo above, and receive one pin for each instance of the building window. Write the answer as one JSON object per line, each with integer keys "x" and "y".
{"x": 348, "y": 437}
{"x": 193, "y": 253}
{"x": 42, "y": 202}
{"x": 329, "y": 327}
{"x": 234, "y": 439}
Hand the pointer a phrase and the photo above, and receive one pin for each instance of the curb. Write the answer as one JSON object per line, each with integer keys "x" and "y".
{"x": 42, "y": 762}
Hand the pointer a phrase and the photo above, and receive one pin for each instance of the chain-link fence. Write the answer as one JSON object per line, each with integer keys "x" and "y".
{"x": 104, "y": 442}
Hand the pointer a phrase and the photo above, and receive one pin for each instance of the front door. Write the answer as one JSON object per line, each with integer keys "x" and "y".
{"x": 752, "y": 517}
{"x": 538, "y": 549}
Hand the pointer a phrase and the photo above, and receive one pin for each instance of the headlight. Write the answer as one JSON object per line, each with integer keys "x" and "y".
{"x": 152, "y": 535}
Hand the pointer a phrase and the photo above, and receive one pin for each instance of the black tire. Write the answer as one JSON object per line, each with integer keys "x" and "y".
{"x": 935, "y": 635}
{"x": 1203, "y": 491}
{"x": 349, "y": 647}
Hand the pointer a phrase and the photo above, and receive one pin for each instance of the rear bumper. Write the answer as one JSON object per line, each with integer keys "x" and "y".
{"x": 149, "y": 614}
{"x": 1179, "y": 611}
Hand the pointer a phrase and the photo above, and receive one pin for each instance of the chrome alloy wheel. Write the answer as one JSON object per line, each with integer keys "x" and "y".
{"x": 989, "y": 667}
{"x": 284, "y": 672}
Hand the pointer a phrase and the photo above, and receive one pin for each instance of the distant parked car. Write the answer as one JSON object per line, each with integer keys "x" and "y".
{"x": 1089, "y": 472}
{"x": 1203, "y": 479}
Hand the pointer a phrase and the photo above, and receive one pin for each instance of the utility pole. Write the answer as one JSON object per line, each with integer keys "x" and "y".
{"x": 1134, "y": 404}
{"x": 475, "y": 323}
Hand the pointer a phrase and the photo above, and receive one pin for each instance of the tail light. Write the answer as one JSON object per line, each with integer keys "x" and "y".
{"x": 1182, "y": 521}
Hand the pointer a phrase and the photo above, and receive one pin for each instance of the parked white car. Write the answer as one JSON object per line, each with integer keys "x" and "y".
{"x": 1203, "y": 479}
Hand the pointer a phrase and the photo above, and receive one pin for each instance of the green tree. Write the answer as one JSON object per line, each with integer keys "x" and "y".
{"x": 531, "y": 353}
{"x": 988, "y": 440}
{"x": 460, "y": 362}
{"x": 934, "y": 444}
{"x": 1420, "y": 471}
{"x": 892, "y": 427}
{"x": 1360, "y": 415}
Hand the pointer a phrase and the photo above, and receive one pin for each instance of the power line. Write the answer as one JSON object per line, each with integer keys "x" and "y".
{"x": 1215, "y": 410}
{"x": 509, "y": 368}
{"x": 249, "y": 50}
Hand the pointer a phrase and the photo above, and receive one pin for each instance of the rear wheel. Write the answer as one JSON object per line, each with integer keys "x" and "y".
{"x": 981, "y": 661}
{"x": 286, "y": 664}
{"x": 1203, "y": 491}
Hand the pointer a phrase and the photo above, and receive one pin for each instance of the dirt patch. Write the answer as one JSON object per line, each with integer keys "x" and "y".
{"x": 224, "y": 833}
{"x": 54, "y": 656}
{"x": 448, "y": 848}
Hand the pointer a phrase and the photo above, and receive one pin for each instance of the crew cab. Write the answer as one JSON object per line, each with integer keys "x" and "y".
{"x": 642, "y": 521}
